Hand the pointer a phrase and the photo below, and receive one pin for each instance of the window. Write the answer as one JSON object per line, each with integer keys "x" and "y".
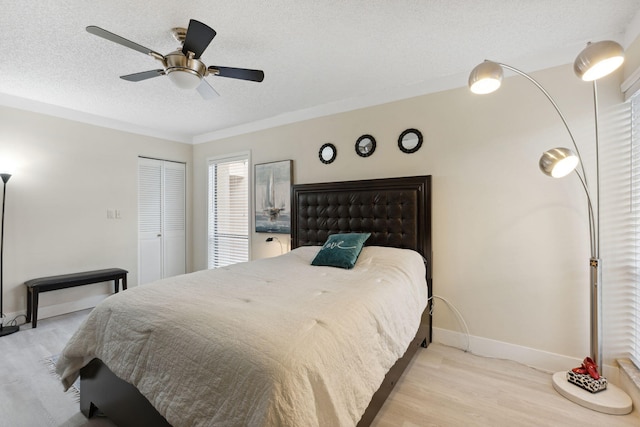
{"x": 228, "y": 210}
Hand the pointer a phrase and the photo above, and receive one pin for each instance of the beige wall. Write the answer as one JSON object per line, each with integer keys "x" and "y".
{"x": 67, "y": 175}
{"x": 510, "y": 245}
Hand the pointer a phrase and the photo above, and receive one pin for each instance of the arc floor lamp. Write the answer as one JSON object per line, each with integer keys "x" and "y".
{"x": 594, "y": 62}
{"x": 4, "y": 330}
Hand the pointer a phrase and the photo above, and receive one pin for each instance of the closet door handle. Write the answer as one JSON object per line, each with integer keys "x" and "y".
{"x": 159, "y": 235}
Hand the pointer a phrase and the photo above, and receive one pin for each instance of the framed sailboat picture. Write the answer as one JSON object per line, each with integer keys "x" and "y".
{"x": 273, "y": 197}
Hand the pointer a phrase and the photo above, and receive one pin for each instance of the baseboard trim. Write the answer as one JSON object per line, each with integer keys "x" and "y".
{"x": 58, "y": 309}
{"x": 538, "y": 359}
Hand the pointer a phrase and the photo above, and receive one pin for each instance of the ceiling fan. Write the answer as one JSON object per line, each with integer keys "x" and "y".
{"x": 183, "y": 66}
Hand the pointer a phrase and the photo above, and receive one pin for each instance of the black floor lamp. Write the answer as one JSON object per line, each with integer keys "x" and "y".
{"x": 4, "y": 330}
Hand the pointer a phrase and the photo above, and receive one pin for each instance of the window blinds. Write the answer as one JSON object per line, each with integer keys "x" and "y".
{"x": 635, "y": 229}
{"x": 617, "y": 225}
{"x": 228, "y": 212}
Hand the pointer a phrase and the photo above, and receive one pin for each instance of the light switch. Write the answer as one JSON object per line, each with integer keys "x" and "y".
{"x": 109, "y": 213}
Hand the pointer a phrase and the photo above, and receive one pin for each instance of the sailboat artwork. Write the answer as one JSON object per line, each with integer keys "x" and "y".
{"x": 272, "y": 190}
{"x": 271, "y": 207}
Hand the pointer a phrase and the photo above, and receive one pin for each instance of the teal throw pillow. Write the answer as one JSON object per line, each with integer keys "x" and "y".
{"x": 341, "y": 250}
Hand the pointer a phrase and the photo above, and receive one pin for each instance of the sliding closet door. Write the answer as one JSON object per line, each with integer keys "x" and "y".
{"x": 161, "y": 219}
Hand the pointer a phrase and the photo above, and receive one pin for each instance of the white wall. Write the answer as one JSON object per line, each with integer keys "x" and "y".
{"x": 67, "y": 175}
{"x": 511, "y": 245}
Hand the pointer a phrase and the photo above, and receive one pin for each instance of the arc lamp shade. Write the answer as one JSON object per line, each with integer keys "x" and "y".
{"x": 558, "y": 162}
{"x": 485, "y": 78}
{"x": 598, "y": 60}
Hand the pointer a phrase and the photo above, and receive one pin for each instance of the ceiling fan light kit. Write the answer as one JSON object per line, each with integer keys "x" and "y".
{"x": 183, "y": 66}
{"x": 185, "y": 72}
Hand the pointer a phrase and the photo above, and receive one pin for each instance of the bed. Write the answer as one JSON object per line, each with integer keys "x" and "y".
{"x": 325, "y": 352}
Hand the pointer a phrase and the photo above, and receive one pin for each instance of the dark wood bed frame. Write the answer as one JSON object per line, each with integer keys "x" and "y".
{"x": 397, "y": 213}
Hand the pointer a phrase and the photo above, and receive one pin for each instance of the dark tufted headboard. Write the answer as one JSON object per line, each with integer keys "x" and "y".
{"x": 396, "y": 211}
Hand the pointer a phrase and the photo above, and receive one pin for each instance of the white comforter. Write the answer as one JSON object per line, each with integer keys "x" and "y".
{"x": 273, "y": 342}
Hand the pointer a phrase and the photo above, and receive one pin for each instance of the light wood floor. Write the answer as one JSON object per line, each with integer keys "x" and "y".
{"x": 442, "y": 387}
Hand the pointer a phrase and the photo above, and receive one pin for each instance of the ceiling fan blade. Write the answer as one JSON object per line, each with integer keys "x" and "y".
{"x": 206, "y": 91}
{"x": 121, "y": 40}
{"x": 198, "y": 37}
{"x": 136, "y": 77}
{"x": 237, "y": 73}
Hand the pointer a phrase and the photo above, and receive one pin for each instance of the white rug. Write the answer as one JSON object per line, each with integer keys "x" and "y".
{"x": 74, "y": 390}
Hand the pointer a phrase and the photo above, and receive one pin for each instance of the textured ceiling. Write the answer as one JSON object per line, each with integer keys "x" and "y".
{"x": 319, "y": 57}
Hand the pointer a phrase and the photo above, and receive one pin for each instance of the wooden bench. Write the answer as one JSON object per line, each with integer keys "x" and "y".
{"x": 52, "y": 283}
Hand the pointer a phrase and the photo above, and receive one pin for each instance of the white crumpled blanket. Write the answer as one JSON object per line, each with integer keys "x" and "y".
{"x": 273, "y": 342}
